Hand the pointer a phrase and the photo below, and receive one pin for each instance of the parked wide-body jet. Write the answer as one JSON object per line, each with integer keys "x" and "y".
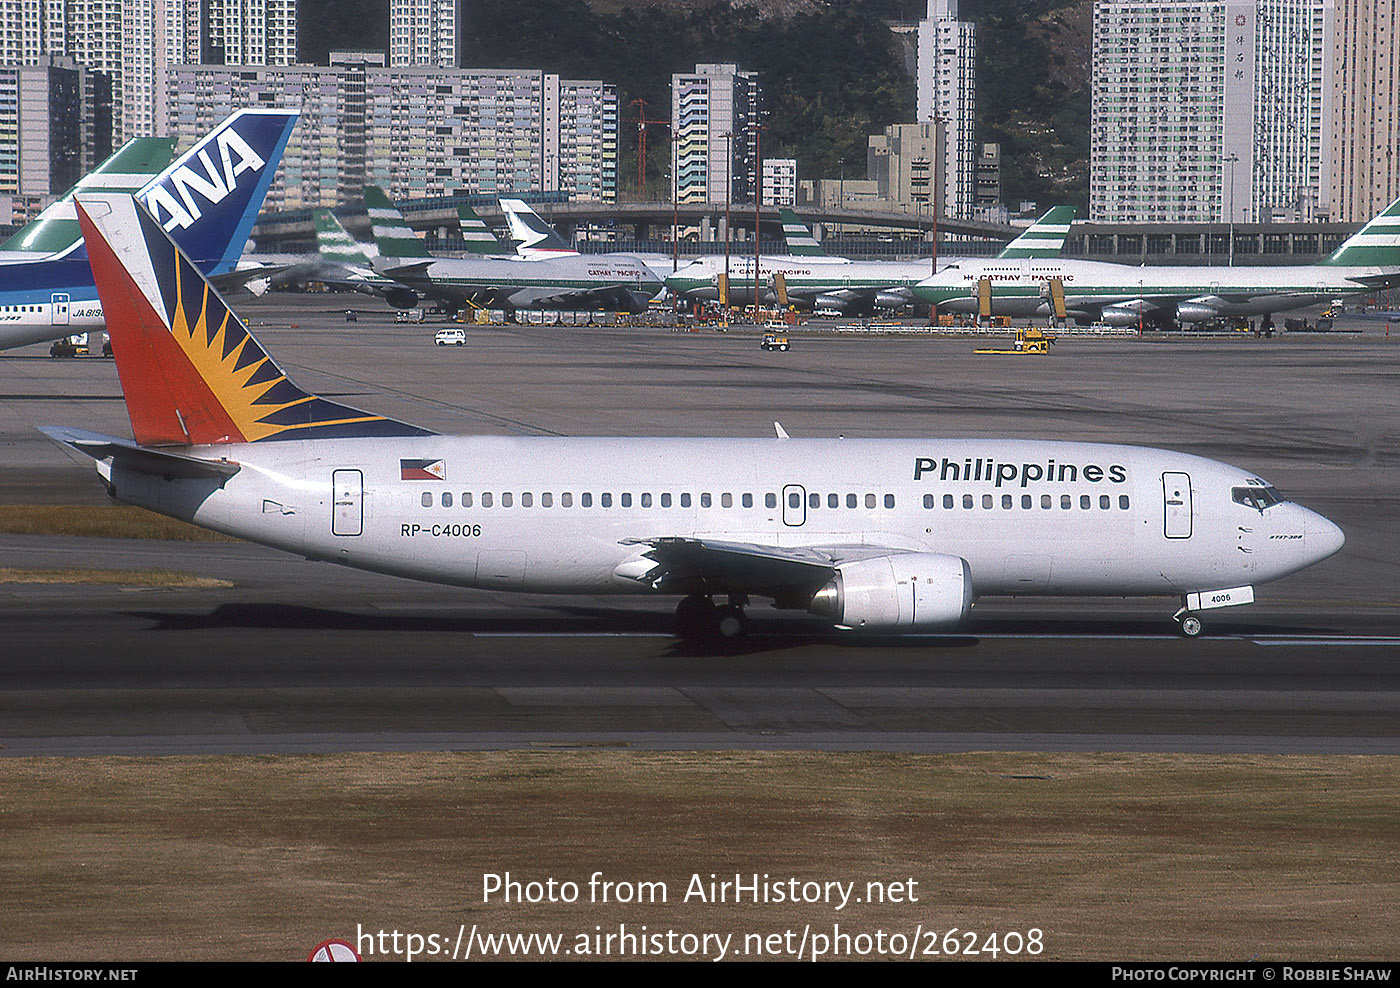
{"x": 618, "y": 282}
{"x": 208, "y": 199}
{"x": 876, "y": 534}
{"x": 818, "y": 281}
{"x": 1124, "y": 295}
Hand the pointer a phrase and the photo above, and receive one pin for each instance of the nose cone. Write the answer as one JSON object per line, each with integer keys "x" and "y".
{"x": 1321, "y": 537}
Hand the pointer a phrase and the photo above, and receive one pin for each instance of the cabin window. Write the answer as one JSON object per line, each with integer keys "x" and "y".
{"x": 546, "y": 500}
{"x": 427, "y": 499}
{"x": 447, "y": 499}
{"x": 466, "y": 499}
{"x": 646, "y": 500}
{"x": 814, "y": 500}
{"x": 986, "y": 500}
{"x": 1025, "y": 501}
{"x": 527, "y": 500}
{"x": 852, "y": 501}
{"x": 704, "y": 500}
{"x": 967, "y": 500}
{"x": 685, "y": 500}
{"x": 486, "y": 500}
{"x": 726, "y": 500}
{"x": 929, "y": 501}
{"x": 1103, "y": 500}
{"x": 1007, "y": 501}
{"x": 889, "y": 500}
{"x": 947, "y": 500}
{"x": 1066, "y": 501}
{"x": 506, "y": 500}
{"x": 1046, "y": 501}
{"x": 770, "y": 499}
{"x": 1123, "y": 501}
{"x": 566, "y": 500}
{"x": 870, "y": 500}
{"x": 585, "y": 500}
{"x": 626, "y": 500}
{"x": 1086, "y": 502}
{"x": 794, "y": 500}
{"x": 665, "y": 500}
{"x": 748, "y": 500}
{"x": 605, "y": 500}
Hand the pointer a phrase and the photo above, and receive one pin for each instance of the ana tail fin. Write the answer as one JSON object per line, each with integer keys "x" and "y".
{"x": 191, "y": 372}
{"x": 392, "y": 234}
{"x": 1375, "y": 245}
{"x": 1043, "y": 238}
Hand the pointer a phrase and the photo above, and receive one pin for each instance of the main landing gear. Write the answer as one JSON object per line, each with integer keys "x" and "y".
{"x": 700, "y": 620}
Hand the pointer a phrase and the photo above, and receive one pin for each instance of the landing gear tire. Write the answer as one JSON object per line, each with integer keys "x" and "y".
{"x": 695, "y": 617}
{"x": 1190, "y": 625}
{"x": 729, "y": 623}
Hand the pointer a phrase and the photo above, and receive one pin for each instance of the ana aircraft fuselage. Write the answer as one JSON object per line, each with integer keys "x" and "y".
{"x": 574, "y": 515}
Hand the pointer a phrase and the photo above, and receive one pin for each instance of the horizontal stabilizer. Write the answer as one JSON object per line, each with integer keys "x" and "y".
{"x": 144, "y": 459}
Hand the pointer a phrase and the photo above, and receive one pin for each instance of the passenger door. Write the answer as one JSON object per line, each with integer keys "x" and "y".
{"x": 1176, "y": 496}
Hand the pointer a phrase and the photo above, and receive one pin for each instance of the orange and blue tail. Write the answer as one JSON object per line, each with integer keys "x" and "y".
{"x": 191, "y": 371}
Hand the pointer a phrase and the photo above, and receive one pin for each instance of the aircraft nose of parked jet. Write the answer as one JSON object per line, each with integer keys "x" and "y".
{"x": 1321, "y": 537}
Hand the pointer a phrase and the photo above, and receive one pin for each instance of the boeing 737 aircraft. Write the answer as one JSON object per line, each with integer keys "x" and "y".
{"x": 208, "y": 199}
{"x": 574, "y": 281}
{"x": 841, "y": 284}
{"x": 1122, "y": 295}
{"x": 880, "y": 534}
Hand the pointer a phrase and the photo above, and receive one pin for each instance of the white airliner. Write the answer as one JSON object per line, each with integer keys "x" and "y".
{"x": 1124, "y": 295}
{"x": 879, "y": 535}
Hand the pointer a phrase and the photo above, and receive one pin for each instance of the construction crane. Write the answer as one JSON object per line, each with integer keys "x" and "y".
{"x": 641, "y": 120}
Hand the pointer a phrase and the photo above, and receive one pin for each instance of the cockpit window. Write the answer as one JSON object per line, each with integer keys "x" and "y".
{"x": 1258, "y": 498}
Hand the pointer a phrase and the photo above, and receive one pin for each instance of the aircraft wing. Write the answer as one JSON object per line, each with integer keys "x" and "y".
{"x": 621, "y": 297}
{"x": 674, "y": 565}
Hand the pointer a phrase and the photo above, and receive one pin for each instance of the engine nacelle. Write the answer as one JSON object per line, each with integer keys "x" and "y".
{"x": 1121, "y": 315}
{"x": 901, "y": 590}
{"x": 401, "y": 298}
{"x": 891, "y": 300}
{"x": 1195, "y": 312}
{"x": 836, "y": 302}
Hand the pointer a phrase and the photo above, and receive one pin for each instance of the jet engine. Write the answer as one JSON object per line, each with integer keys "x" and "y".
{"x": 902, "y": 590}
{"x": 401, "y": 298}
{"x": 1195, "y": 312}
{"x": 1122, "y": 315}
{"x": 837, "y": 302}
{"x": 890, "y": 300}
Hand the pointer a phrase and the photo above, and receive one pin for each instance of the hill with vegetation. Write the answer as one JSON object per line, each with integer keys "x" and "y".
{"x": 832, "y": 70}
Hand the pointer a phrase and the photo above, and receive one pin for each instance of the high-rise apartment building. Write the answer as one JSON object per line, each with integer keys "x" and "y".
{"x": 423, "y": 32}
{"x": 716, "y": 113}
{"x": 904, "y": 163}
{"x": 947, "y": 93}
{"x": 417, "y": 132}
{"x": 1210, "y": 110}
{"x": 1364, "y": 124}
{"x": 55, "y": 126}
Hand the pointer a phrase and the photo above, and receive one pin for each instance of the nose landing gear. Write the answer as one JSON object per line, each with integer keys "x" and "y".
{"x": 1190, "y": 624}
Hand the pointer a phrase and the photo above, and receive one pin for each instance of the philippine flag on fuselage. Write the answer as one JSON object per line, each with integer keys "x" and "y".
{"x": 422, "y": 469}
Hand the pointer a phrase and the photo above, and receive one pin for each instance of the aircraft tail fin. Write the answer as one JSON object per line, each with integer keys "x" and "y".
{"x": 534, "y": 237}
{"x": 798, "y": 235}
{"x": 208, "y": 198}
{"x": 392, "y": 234}
{"x": 1375, "y": 245}
{"x": 1043, "y": 238}
{"x": 477, "y": 237}
{"x": 335, "y": 244}
{"x": 129, "y": 168}
{"x": 191, "y": 371}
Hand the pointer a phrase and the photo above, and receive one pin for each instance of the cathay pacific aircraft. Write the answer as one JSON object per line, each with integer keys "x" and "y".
{"x": 1123, "y": 295}
{"x": 876, "y": 535}
{"x": 208, "y": 199}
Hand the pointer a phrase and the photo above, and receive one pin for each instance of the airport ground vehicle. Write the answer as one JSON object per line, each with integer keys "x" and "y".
{"x": 775, "y": 341}
{"x": 451, "y": 336}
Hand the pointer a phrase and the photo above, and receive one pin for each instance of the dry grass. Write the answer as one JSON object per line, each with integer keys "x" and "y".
{"x": 172, "y": 579}
{"x": 106, "y": 521}
{"x": 1112, "y": 856}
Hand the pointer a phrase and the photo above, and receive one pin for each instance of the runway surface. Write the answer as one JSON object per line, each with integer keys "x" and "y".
{"x": 308, "y": 657}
